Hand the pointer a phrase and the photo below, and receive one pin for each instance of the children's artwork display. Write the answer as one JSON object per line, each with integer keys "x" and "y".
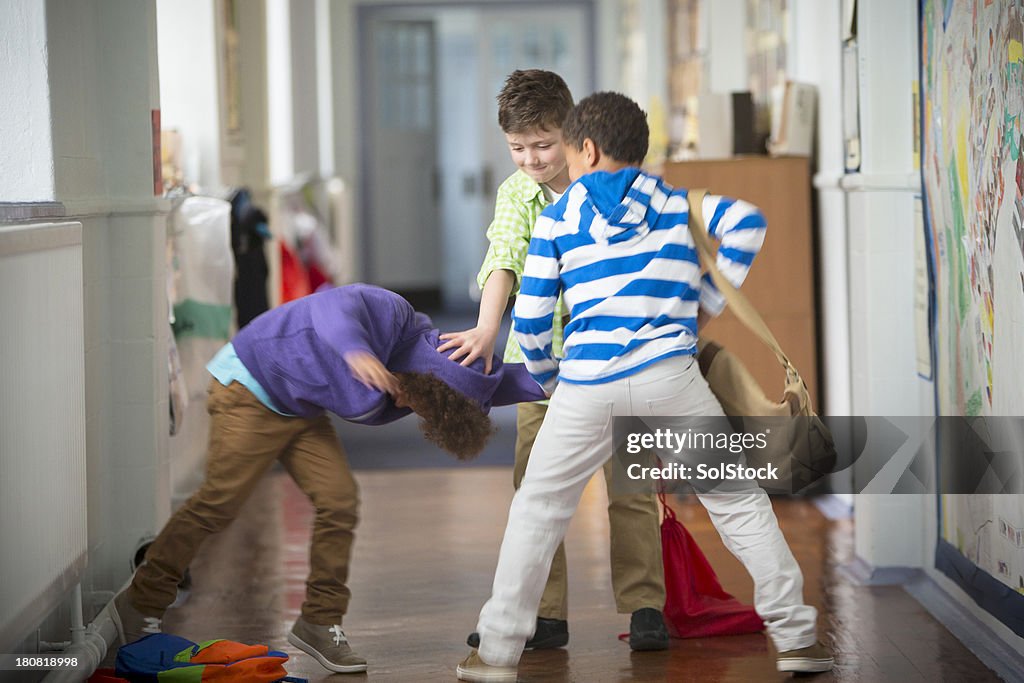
{"x": 973, "y": 90}
{"x": 988, "y": 530}
{"x": 972, "y": 95}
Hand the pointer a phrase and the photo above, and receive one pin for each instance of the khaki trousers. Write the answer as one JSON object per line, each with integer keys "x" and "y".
{"x": 245, "y": 440}
{"x": 638, "y": 578}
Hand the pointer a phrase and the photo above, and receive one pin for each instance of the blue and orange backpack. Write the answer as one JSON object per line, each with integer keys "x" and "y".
{"x": 164, "y": 658}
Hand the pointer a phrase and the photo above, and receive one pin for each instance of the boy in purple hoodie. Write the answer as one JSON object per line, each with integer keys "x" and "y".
{"x": 360, "y": 352}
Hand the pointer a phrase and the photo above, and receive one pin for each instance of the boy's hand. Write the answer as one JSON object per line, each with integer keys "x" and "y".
{"x": 368, "y": 369}
{"x": 475, "y": 343}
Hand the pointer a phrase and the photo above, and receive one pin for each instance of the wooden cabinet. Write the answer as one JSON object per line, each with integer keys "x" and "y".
{"x": 781, "y": 283}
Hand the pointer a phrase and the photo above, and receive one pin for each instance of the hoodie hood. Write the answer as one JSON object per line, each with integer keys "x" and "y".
{"x": 622, "y": 202}
{"x": 506, "y": 384}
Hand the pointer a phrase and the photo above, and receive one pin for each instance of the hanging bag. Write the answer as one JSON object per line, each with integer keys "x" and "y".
{"x": 696, "y": 606}
{"x": 799, "y": 443}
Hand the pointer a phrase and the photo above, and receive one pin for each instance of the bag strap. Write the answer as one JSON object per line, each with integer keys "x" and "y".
{"x": 738, "y": 302}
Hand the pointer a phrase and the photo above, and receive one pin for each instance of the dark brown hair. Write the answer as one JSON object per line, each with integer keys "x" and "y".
{"x": 533, "y": 99}
{"x": 614, "y": 122}
{"x": 448, "y": 419}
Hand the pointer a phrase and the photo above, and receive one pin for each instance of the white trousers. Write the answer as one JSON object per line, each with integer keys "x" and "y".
{"x": 573, "y": 443}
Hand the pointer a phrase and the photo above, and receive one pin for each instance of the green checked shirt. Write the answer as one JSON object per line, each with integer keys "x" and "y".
{"x": 519, "y": 203}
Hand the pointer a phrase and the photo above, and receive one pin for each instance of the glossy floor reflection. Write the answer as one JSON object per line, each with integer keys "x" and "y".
{"x": 424, "y": 559}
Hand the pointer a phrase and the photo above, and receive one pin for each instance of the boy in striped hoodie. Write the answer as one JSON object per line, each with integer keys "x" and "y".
{"x": 617, "y": 248}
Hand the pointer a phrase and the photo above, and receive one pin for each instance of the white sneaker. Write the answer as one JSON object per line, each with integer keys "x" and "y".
{"x": 475, "y": 669}
{"x": 811, "y": 659}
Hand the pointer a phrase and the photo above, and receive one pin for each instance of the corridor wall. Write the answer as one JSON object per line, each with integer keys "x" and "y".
{"x": 972, "y": 76}
{"x": 99, "y": 76}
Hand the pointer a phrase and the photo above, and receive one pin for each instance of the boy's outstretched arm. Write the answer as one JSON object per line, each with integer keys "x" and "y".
{"x": 535, "y": 307}
{"x": 740, "y": 228}
{"x": 478, "y": 342}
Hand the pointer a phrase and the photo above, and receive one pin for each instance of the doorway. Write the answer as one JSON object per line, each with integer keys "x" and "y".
{"x": 433, "y": 156}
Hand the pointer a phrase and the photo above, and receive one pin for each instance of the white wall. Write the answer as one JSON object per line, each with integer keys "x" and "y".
{"x": 292, "y": 89}
{"x": 880, "y": 203}
{"x": 814, "y": 57}
{"x": 726, "y": 22}
{"x": 644, "y": 73}
{"x": 26, "y": 162}
{"x": 92, "y": 84}
{"x": 191, "y": 75}
{"x": 324, "y": 99}
{"x": 188, "y": 84}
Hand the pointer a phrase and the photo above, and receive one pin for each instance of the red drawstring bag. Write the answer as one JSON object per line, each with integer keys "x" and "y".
{"x": 695, "y": 604}
{"x": 294, "y": 276}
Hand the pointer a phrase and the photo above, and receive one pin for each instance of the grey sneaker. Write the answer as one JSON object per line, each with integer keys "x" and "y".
{"x": 475, "y": 669}
{"x": 809, "y": 659}
{"x": 327, "y": 645}
{"x": 131, "y": 623}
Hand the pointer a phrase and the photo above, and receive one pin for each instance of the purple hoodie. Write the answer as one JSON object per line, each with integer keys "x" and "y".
{"x": 295, "y": 352}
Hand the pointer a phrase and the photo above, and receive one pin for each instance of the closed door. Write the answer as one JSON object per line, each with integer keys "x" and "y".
{"x": 555, "y": 38}
{"x": 401, "y": 229}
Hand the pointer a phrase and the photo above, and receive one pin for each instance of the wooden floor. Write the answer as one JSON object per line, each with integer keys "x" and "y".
{"x": 424, "y": 559}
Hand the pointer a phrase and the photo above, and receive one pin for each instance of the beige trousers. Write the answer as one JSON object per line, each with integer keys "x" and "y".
{"x": 245, "y": 440}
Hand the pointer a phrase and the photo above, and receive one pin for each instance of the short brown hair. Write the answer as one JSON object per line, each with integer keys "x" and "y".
{"x": 616, "y": 124}
{"x": 447, "y": 418}
{"x": 533, "y": 98}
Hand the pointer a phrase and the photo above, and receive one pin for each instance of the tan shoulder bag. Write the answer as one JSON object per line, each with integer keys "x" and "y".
{"x": 805, "y": 438}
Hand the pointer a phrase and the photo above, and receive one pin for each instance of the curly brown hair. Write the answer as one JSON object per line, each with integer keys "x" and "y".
{"x": 447, "y": 418}
{"x": 533, "y": 98}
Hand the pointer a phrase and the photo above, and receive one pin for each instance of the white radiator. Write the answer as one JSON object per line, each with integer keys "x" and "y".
{"x": 43, "y": 532}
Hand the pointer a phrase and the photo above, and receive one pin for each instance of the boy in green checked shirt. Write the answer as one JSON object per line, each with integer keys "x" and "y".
{"x": 531, "y": 107}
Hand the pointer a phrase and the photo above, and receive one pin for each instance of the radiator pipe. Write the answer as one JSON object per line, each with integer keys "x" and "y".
{"x": 88, "y": 643}
{"x": 77, "y": 620}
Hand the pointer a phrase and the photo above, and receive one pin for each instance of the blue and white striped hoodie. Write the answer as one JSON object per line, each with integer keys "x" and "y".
{"x": 617, "y": 246}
